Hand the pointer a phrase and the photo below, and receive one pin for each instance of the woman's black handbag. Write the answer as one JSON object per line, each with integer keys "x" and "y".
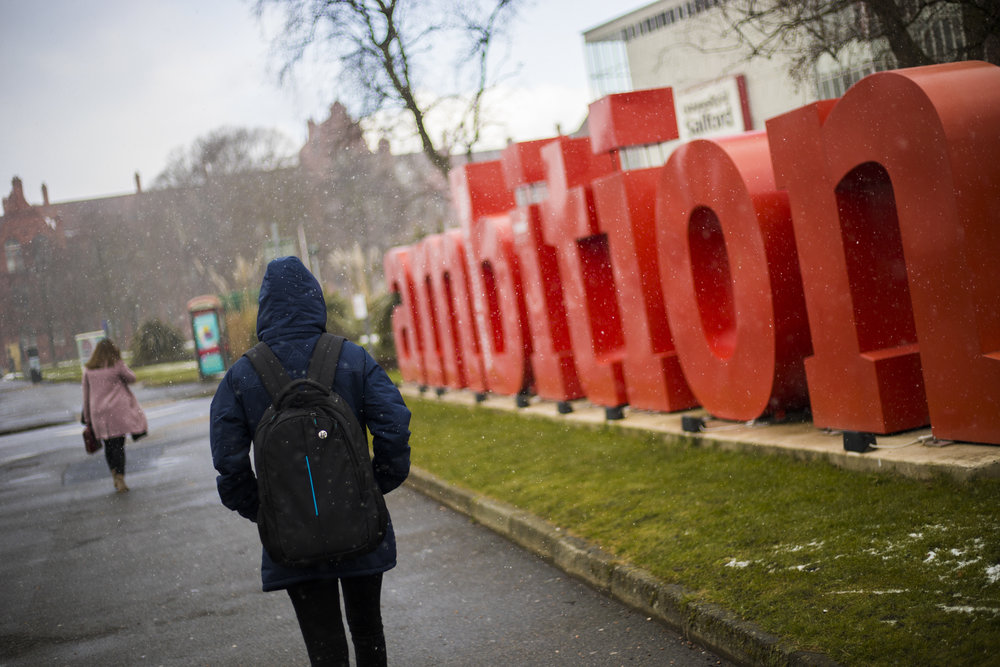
{"x": 90, "y": 440}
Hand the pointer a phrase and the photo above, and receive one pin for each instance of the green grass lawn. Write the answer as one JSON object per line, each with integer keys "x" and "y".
{"x": 868, "y": 569}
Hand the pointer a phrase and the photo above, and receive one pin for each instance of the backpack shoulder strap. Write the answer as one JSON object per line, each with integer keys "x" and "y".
{"x": 323, "y": 364}
{"x": 269, "y": 368}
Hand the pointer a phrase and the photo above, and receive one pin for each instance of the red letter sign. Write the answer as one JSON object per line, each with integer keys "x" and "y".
{"x": 625, "y": 212}
{"x": 552, "y": 365}
{"x": 465, "y": 331}
{"x": 731, "y": 278}
{"x": 570, "y": 225}
{"x": 399, "y": 280}
{"x": 904, "y": 167}
{"x": 423, "y": 264}
{"x": 493, "y": 275}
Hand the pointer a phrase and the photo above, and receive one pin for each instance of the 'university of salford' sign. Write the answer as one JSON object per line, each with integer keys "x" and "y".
{"x": 847, "y": 260}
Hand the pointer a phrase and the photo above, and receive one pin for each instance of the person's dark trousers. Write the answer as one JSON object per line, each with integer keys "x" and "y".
{"x": 317, "y": 607}
{"x": 114, "y": 452}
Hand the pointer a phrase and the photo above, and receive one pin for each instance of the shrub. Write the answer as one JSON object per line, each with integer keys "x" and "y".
{"x": 384, "y": 350}
{"x": 156, "y": 342}
{"x": 241, "y": 330}
{"x": 340, "y": 317}
{"x": 340, "y": 320}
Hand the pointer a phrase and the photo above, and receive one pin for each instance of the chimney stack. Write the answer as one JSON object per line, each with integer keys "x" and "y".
{"x": 138, "y": 184}
{"x": 45, "y": 195}
{"x": 16, "y": 201}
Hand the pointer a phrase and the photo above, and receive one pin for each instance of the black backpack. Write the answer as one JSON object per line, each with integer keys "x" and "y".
{"x": 318, "y": 498}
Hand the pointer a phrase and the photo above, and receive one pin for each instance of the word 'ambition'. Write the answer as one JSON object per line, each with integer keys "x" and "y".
{"x": 844, "y": 262}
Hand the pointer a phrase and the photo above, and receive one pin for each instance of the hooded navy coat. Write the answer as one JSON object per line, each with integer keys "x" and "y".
{"x": 291, "y": 317}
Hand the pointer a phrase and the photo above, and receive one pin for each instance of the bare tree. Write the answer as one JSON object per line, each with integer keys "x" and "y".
{"x": 226, "y": 201}
{"x": 390, "y": 50}
{"x": 899, "y": 33}
{"x": 216, "y": 201}
{"x": 226, "y": 151}
{"x": 358, "y": 196}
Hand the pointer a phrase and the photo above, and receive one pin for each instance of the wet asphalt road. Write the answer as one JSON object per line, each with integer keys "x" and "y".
{"x": 164, "y": 575}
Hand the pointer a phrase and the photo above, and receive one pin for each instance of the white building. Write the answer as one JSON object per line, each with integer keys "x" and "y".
{"x": 682, "y": 45}
{"x": 689, "y": 46}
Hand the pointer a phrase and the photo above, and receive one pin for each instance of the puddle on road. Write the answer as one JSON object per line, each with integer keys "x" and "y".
{"x": 29, "y": 478}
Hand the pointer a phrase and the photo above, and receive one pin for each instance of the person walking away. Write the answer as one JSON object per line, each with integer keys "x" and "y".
{"x": 291, "y": 318}
{"x": 110, "y": 407}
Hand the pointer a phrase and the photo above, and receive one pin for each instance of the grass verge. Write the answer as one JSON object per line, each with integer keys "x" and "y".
{"x": 868, "y": 569}
{"x": 154, "y": 375}
{"x": 173, "y": 373}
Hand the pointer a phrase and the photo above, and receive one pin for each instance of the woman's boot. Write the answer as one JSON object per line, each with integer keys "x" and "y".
{"x": 119, "y": 478}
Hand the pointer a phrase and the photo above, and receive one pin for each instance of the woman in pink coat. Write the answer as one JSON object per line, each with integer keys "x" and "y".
{"x": 110, "y": 407}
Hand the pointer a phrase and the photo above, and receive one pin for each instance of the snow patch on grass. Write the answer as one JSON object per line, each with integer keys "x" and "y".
{"x": 807, "y": 567}
{"x": 795, "y": 548}
{"x": 967, "y": 609}
{"x": 891, "y": 591}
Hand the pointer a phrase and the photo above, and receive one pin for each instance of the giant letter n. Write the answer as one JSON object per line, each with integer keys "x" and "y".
{"x": 894, "y": 197}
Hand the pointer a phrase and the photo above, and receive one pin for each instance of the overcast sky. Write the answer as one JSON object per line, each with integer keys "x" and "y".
{"x": 95, "y": 91}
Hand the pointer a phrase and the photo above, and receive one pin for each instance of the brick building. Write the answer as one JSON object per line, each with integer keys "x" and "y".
{"x": 32, "y": 240}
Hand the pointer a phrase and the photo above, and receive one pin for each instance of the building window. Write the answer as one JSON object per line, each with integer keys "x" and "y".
{"x": 607, "y": 68}
{"x": 646, "y": 156}
{"x": 836, "y": 81}
{"x": 940, "y": 36}
{"x": 532, "y": 193}
{"x": 943, "y": 38}
{"x": 684, "y": 10}
{"x": 12, "y": 252}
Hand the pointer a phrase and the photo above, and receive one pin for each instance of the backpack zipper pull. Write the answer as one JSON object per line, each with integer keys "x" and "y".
{"x": 321, "y": 434}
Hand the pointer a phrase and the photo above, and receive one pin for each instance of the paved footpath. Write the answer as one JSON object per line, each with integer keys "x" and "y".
{"x": 164, "y": 575}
